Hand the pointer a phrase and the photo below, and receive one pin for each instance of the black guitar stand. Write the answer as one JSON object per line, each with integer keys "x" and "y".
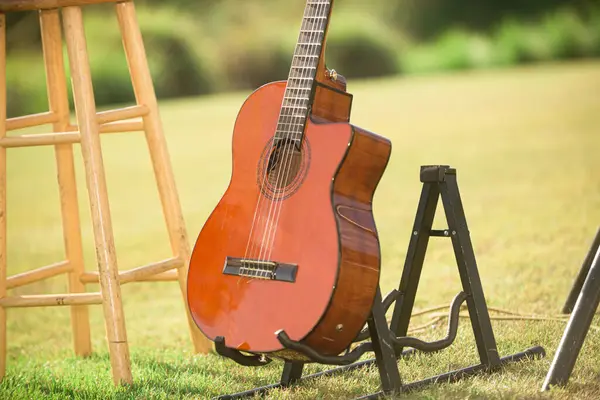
{"x": 388, "y": 342}
{"x": 583, "y": 301}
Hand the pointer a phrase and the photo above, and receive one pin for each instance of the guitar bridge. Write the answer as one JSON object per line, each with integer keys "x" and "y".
{"x": 260, "y": 269}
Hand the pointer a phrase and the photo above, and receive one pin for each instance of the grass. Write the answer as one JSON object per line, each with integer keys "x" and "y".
{"x": 525, "y": 143}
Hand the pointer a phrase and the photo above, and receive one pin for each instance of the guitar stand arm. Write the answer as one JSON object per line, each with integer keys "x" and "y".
{"x": 346, "y": 359}
{"x": 439, "y": 344}
{"x": 390, "y": 298}
{"x": 239, "y": 357}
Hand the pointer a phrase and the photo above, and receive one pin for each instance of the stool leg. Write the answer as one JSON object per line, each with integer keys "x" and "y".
{"x": 2, "y": 193}
{"x": 59, "y": 104}
{"x": 144, "y": 92}
{"x": 96, "y": 183}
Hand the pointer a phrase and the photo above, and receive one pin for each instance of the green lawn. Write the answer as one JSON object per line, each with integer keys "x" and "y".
{"x": 525, "y": 143}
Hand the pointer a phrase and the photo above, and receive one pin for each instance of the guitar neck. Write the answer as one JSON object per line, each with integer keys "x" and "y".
{"x": 305, "y": 63}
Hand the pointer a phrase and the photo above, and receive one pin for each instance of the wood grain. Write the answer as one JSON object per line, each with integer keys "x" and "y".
{"x": 331, "y": 105}
{"x": 359, "y": 270}
{"x": 96, "y": 184}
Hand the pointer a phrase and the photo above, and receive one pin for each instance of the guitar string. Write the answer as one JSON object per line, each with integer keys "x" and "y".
{"x": 317, "y": 29}
{"x": 260, "y": 214}
{"x": 290, "y": 117}
{"x": 250, "y": 249}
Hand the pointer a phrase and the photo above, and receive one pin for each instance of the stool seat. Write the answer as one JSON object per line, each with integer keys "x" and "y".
{"x": 29, "y": 5}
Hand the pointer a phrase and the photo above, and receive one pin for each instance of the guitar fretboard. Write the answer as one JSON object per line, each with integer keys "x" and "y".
{"x": 294, "y": 108}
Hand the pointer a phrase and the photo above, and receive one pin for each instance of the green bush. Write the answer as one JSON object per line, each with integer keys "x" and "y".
{"x": 181, "y": 61}
{"x": 516, "y": 43}
{"x": 358, "y": 46}
{"x": 253, "y": 60}
{"x": 563, "y": 34}
{"x": 25, "y": 92}
{"x": 455, "y": 50}
{"x": 568, "y": 35}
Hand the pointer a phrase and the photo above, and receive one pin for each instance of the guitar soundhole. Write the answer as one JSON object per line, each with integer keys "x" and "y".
{"x": 283, "y": 168}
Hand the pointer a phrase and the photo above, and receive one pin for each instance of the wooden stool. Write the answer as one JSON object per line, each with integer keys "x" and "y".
{"x": 86, "y": 132}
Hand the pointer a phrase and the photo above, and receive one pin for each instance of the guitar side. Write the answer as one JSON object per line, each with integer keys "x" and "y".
{"x": 360, "y": 256}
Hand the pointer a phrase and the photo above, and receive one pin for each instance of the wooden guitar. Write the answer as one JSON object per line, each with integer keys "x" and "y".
{"x": 292, "y": 244}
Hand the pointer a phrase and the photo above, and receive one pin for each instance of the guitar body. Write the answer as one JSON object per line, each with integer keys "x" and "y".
{"x": 292, "y": 244}
{"x": 325, "y": 226}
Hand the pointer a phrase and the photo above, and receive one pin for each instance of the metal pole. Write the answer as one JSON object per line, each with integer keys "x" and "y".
{"x": 583, "y": 272}
{"x": 577, "y": 328}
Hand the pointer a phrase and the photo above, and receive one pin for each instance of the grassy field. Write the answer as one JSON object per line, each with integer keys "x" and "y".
{"x": 525, "y": 143}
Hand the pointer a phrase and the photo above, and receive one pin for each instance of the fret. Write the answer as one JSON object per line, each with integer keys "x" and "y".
{"x": 294, "y": 98}
{"x": 294, "y": 139}
{"x": 289, "y": 124}
{"x": 299, "y": 118}
{"x": 283, "y": 134}
{"x": 313, "y": 36}
{"x": 305, "y": 96}
{"x": 288, "y": 112}
{"x": 293, "y": 116}
{"x": 296, "y": 101}
{"x": 313, "y": 25}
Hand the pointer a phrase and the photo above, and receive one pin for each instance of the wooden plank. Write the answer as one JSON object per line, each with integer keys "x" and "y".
{"x": 40, "y": 139}
{"x": 48, "y": 300}
{"x": 160, "y": 271}
{"x": 119, "y": 127}
{"x": 38, "y": 274}
{"x": 69, "y": 137}
{"x": 28, "y": 121}
{"x": 137, "y": 274}
{"x": 121, "y": 114}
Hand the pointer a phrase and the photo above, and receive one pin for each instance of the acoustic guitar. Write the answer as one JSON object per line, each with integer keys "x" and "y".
{"x": 292, "y": 244}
